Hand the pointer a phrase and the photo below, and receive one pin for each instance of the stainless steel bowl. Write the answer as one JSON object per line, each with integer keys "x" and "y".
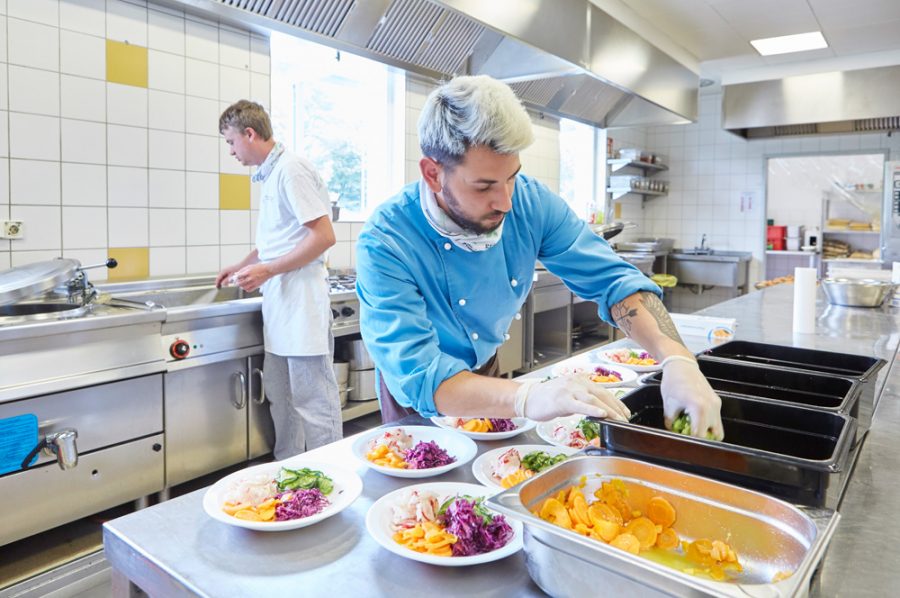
{"x": 856, "y": 292}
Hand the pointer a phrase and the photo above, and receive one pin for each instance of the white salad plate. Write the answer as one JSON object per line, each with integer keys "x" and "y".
{"x": 456, "y": 445}
{"x": 483, "y": 472}
{"x": 347, "y": 488}
{"x": 607, "y": 357}
{"x": 627, "y": 375}
{"x": 522, "y": 425}
{"x": 378, "y": 523}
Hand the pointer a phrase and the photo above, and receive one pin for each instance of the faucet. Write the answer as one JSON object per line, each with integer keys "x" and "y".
{"x": 703, "y": 243}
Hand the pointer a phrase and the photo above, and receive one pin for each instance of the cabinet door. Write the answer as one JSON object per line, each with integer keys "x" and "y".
{"x": 261, "y": 431}
{"x": 206, "y": 419}
{"x": 510, "y": 353}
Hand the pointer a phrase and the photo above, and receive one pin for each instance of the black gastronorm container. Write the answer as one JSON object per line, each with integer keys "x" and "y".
{"x": 795, "y": 453}
{"x": 861, "y": 368}
{"x": 805, "y": 389}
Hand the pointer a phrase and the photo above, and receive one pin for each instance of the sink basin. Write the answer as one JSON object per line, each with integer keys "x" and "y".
{"x": 184, "y": 297}
{"x": 712, "y": 255}
{"x": 711, "y": 267}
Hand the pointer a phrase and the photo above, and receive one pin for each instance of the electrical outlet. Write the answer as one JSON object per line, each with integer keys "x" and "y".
{"x": 12, "y": 229}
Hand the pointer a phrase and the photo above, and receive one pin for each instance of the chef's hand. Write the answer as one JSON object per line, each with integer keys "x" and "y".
{"x": 225, "y": 275}
{"x": 571, "y": 394}
{"x": 252, "y": 277}
{"x": 685, "y": 390}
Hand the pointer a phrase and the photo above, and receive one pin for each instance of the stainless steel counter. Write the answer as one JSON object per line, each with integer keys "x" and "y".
{"x": 174, "y": 549}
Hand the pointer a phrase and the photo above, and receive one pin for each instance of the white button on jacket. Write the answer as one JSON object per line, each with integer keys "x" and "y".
{"x": 462, "y": 302}
{"x": 447, "y": 246}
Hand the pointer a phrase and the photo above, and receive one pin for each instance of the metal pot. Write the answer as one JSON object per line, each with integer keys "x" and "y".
{"x": 362, "y": 385}
{"x": 358, "y": 356}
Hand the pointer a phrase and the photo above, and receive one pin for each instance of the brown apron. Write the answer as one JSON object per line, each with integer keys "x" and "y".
{"x": 392, "y": 411}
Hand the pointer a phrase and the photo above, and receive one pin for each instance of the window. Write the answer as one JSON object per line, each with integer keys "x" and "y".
{"x": 344, "y": 113}
{"x": 577, "y": 168}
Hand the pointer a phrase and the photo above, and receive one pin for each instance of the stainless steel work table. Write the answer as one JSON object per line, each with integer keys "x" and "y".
{"x": 174, "y": 548}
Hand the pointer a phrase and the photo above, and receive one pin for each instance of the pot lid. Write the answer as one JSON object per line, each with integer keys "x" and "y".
{"x": 32, "y": 280}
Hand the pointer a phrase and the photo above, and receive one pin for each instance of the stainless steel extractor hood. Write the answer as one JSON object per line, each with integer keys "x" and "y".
{"x": 860, "y": 101}
{"x": 563, "y": 57}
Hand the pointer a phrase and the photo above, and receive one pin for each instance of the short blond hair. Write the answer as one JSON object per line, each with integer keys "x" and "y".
{"x": 245, "y": 114}
{"x": 471, "y": 111}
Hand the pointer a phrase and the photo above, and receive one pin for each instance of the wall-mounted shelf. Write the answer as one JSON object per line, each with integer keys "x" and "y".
{"x": 618, "y": 193}
{"x": 617, "y": 164}
{"x": 847, "y": 231}
{"x": 852, "y": 260}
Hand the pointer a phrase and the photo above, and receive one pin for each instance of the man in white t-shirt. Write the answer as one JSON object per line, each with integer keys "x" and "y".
{"x": 288, "y": 265}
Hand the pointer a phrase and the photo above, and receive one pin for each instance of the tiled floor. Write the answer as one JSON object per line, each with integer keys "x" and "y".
{"x": 20, "y": 560}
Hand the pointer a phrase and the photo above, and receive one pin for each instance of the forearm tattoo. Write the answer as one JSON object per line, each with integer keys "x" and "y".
{"x": 625, "y": 316}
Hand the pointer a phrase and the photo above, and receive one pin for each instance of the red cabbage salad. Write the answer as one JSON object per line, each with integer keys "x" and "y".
{"x": 458, "y": 526}
{"x": 483, "y": 424}
{"x": 394, "y": 448}
{"x": 291, "y": 494}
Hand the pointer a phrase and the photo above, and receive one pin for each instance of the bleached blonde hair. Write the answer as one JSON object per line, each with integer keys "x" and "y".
{"x": 471, "y": 111}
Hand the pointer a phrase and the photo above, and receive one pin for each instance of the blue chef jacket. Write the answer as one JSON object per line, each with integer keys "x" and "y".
{"x": 429, "y": 310}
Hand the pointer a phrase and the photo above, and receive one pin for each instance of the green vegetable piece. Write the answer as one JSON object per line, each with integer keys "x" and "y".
{"x": 538, "y": 461}
{"x": 303, "y": 479}
{"x": 682, "y": 425}
{"x": 589, "y": 428}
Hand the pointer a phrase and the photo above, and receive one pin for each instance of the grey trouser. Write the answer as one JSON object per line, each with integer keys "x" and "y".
{"x": 304, "y": 402}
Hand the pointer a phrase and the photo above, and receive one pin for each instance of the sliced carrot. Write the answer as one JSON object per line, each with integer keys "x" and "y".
{"x": 667, "y": 539}
{"x": 644, "y": 530}
{"x": 626, "y": 542}
{"x": 661, "y": 511}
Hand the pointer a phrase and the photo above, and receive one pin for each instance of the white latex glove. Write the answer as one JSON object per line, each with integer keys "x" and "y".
{"x": 685, "y": 390}
{"x": 575, "y": 393}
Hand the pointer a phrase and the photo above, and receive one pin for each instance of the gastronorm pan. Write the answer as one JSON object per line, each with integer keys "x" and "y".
{"x": 769, "y": 536}
{"x": 786, "y": 386}
{"x": 794, "y": 453}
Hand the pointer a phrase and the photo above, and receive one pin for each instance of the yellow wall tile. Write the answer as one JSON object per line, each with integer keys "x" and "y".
{"x": 234, "y": 192}
{"x": 126, "y": 64}
{"x": 134, "y": 262}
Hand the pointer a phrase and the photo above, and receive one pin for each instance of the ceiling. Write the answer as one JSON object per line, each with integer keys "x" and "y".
{"x": 717, "y": 34}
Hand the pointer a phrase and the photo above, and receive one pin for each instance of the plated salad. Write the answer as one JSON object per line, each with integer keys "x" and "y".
{"x": 395, "y": 449}
{"x": 485, "y": 424}
{"x": 291, "y": 494}
{"x": 631, "y": 357}
{"x": 511, "y": 467}
{"x": 450, "y": 526}
{"x": 576, "y": 433}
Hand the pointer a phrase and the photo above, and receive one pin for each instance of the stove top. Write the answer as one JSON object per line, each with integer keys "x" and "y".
{"x": 342, "y": 283}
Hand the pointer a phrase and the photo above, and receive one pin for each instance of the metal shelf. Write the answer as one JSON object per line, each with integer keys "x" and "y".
{"x": 617, "y": 193}
{"x": 616, "y": 164}
{"x": 356, "y": 409}
{"x": 847, "y": 231}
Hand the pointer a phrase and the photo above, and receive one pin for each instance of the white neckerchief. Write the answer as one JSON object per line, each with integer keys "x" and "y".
{"x": 265, "y": 169}
{"x": 445, "y": 226}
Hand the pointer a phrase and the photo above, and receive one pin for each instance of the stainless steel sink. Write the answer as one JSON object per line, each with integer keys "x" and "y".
{"x": 711, "y": 255}
{"x": 710, "y": 267}
{"x": 185, "y": 297}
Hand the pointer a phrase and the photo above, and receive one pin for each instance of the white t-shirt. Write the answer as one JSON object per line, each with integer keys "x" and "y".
{"x": 296, "y": 308}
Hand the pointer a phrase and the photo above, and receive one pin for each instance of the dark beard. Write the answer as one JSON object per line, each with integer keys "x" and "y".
{"x": 456, "y": 215}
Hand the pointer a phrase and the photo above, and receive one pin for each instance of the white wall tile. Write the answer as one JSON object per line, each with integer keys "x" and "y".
{"x": 202, "y": 227}
{"x": 4, "y": 81}
{"x": 82, "y": 98}
{"x": 4, "y": 187}
{"x": 165, "y": 32}
{"x": 166, "y": 227}
{"x": 127, "y": 187}
{"x": 90, "y": 256}
{"x": 165, "y": 71}
{"x": 234, "y": 227}
{"x": 32, "y": 136}
{"x": 5, "y": 260}
{"x": 254, "y": 221}
{"x": 127, "y": 145}
{"x": 167, "y": 188}
{"x": 34, "y": 182}
{"x": 126, "y": 22}
{"x": 202, "y": 116}
{"x": 202, "y": 153}
{"x": 83, "y": 228}
{"x": 259, "y": 55}
{"x": 128, "y": 227}
{"x": 166, "y": 150}
{"x": 20, "y": 258}
{"x": 33, "y": 90}
{"x": 202, "y": 190}
{"x": 33, "y": 44}
{"x": 83, "y": 141}
{"x": 339, "y": 255}
{"x": 232, "y": 254}
{"x": 82, "y": 55}
{"x": 260, "y": 90}
{"x": 39, "y": 11}
{"x": 201, "y": 41}
{"x": 42, "y": 227}
{"x": 83, "y": 184}
{"x": 234, "y": 49}
{"x": 4, "y": 133}
{"x": 126, "y": 105}
{"x": 202, "y": 260}
{"x": 342, "y": 231}
{"x": 201, "y": 79}
{"x": 85, "y": 16}
{"x": 166, "y": 110}
{"x": 167, "y": 261}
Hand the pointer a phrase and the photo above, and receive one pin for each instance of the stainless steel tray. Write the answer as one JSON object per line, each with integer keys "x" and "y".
{"x": 769, "y": 535}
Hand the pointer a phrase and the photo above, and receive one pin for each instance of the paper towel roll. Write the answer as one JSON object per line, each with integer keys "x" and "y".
{"x": 805, "y": 300}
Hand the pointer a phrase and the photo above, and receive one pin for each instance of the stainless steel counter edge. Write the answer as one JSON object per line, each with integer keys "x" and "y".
{"x": 209, "y": 310}
{"x": 127, "y": 317}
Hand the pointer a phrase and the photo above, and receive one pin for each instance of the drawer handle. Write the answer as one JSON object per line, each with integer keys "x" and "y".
{"x": 241, "y": 401}
{"x": 262, "y": 387}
